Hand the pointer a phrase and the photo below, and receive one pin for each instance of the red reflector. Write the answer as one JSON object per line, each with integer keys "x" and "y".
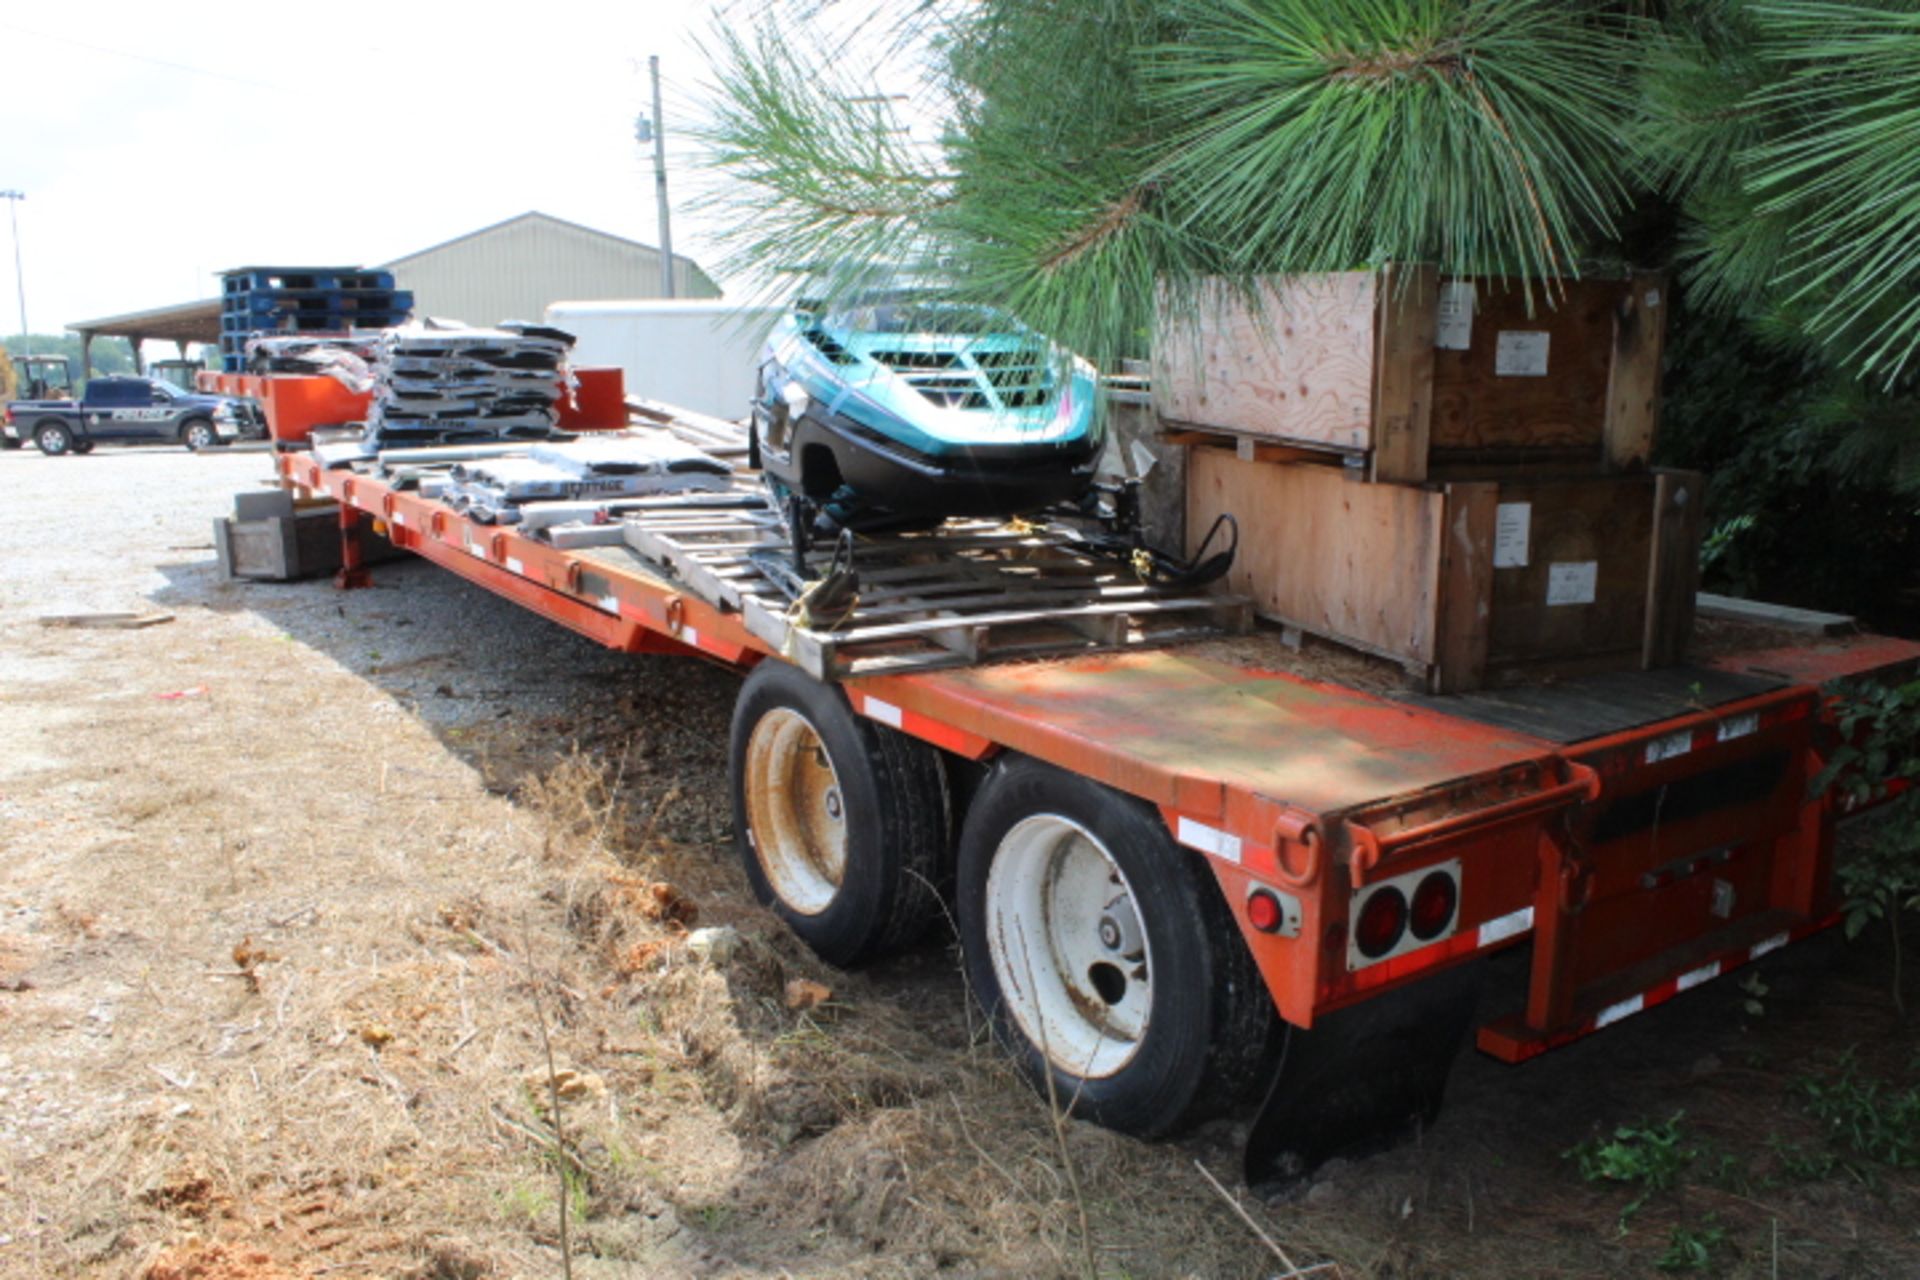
{"x": 1433, "y": 904}
{"x": 1382, "y": 920}
{"x": 1263, "y": 911}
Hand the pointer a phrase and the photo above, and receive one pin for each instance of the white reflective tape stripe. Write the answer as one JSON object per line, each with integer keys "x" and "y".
{"x": 1198, "y": 835}
{"x": 885, "y": 712}
{"x": 610, "y": 603}
{"x": 473, "y": 548}
{"x": 400, "y": 518}
{"x": 1507, "y": 926}
{"x": 1694, "y": 977}
{"x": 1739, "y": 726}
{"x": 1670, "y": 747}
{"x": 690, "y": 636}
{"x": 514, "y": 566}
{"x": 1614, "y": 1012}
{"x": 1765, "y": 945}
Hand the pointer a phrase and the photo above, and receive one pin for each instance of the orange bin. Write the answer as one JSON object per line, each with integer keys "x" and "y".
{"x": 599, "y": 402}
{"x": 295, "y": 403}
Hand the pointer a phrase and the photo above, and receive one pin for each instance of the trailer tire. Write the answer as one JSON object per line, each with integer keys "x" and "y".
{"x": 1104, "y": 955}
{"x": 841, "y": 823}
{"x": 53, "y": 438}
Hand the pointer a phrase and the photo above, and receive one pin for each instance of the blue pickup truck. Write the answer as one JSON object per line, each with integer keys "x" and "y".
{"x": 130, "y": 411}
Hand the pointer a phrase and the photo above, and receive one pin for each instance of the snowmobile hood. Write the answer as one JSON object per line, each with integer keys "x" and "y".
{"x": 936, "y": 392}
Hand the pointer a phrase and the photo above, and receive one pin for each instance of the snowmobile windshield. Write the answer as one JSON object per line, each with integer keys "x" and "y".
{"x": 902, "y": 315}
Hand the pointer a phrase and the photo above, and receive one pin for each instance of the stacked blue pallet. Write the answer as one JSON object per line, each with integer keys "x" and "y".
{"x": 282, "y": 300}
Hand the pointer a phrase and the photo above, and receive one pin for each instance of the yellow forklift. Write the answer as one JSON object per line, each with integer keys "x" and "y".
{"x": 31, "y": 377}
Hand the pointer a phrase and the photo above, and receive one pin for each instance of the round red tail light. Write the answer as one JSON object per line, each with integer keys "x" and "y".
{"x": 1383, "y": 919}
{"x": 1263, "y": 911}
{"x": 1433, "y": 902}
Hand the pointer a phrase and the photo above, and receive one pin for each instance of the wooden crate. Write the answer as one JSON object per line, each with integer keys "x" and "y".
{"x": 1405, "y": 374}
{"x": 1466, "y": 583}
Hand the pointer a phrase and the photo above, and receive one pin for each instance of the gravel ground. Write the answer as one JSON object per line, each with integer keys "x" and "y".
{"x": 447, "y": 651}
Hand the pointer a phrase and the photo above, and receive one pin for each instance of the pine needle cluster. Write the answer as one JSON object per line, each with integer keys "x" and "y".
{"x": 1790, "y": 129}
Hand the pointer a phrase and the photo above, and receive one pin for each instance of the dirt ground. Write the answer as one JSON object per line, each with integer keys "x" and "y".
{"x": 347, "y": 934}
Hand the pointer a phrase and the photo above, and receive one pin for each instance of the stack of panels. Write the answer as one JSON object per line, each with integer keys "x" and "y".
{"x": 493, "y": 490}
{"x": 282, "y": 300}
{"x": 348, "y": 361}
{"x": 452, "y": 385}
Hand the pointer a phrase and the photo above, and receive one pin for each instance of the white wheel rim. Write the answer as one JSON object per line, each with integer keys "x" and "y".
{"x": 796, "y": 811}
{"x": 1069, "y": 949}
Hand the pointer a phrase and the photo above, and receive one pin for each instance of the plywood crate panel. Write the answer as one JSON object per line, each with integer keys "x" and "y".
{"x": 1403, "y": 371}
{"x": 1294, "y": 364}
{"x": 1464, "y": 583}
{"x": 1357, "y": 562}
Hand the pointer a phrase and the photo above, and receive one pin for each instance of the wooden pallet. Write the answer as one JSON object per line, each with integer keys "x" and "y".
{"x": 969, "y": 592}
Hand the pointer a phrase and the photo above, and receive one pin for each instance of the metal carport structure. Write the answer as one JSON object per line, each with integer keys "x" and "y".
{"x": 179, "y": 324}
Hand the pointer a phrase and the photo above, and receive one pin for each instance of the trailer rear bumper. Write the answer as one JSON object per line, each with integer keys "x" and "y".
{"x": 1510, "y": 1039}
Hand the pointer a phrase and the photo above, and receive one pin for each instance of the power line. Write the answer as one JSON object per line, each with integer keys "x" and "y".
{"x": 138, "y": 57}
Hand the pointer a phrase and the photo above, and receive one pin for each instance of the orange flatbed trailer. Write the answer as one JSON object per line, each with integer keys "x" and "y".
{"x": 1642, "y": 832}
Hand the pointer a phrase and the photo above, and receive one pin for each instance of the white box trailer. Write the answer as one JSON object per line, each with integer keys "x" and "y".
{"x": 701, "y": 354}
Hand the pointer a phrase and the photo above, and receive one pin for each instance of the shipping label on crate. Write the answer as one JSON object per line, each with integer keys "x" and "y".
{"x": 1454, "y": 329}
{"x": 1521, "y": 353}
{"x": 1574, "y": 582}
{"x": 1512, "y": 528}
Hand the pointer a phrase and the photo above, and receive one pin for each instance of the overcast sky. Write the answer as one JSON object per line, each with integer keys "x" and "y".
{"x": 157, "y": 144}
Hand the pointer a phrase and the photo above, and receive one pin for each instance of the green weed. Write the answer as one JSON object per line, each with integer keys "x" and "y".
{"x": 1865, "y": 1116}
{"x": 713, "y": 1217}
{"x": 1691, "y": 1249}
{"x": 526, "y": 1204}
{"x": 1650, "y": 1158}
{"x": 1880, "y": 753}
{"x": 1795, "y": 1163}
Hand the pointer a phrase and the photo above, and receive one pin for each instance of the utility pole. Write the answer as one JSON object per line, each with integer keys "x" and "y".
{"x": 660, "y": 183}
{"x": 13, "y": 199}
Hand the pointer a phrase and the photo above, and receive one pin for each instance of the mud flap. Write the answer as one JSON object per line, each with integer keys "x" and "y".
{"x": 1362, "y": 1078}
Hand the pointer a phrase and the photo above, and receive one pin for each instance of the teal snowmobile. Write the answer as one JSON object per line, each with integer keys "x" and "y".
{"x": 901, "y": 409}
{"x": 897, "y": 410}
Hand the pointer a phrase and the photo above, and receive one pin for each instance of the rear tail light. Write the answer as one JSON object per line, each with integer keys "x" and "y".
{"x": 1434, "y": 900}
{"x": 1264, "y": 911}
{"x": 1403, "y": 913}
{"x": 1382, "y": 923}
